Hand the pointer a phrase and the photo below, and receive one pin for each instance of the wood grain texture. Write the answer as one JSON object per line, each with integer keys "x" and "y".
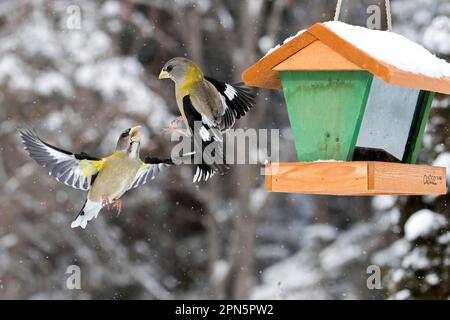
{"x": 319, "y": 177}
{"x": 409, "y": 179}
{"x": 356, "y": 178}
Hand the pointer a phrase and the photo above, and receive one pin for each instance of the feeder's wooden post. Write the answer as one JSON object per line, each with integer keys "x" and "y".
{"x": 418, "y": 128}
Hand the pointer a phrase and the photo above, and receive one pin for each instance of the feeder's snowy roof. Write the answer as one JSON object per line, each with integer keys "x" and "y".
{"x": 340, "y": 46}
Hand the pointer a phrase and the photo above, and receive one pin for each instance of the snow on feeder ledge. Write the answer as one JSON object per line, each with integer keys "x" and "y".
{"x": 358, "y": 96}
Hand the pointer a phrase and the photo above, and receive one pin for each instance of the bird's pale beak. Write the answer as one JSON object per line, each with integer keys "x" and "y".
{"x": 135, "y": 134}
{"x": 163, "y": 74}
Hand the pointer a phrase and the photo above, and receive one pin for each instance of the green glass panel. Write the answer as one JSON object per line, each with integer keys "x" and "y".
{"x": 325, "y": 111}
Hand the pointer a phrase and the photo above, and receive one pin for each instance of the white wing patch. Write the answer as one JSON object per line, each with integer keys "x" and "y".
{"x": 201, "y": 175}
{"x": 204, "y": 134}
{"x": 230, "y": 92}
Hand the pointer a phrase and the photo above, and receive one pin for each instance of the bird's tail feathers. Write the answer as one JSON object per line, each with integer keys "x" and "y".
{"x": 204, "y": 171}
{"x": 89, "y": 211}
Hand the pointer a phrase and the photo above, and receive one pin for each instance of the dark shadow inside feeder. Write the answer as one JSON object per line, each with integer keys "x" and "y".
{"x": 373, "y": 154}
{"x": 389, "y": 124}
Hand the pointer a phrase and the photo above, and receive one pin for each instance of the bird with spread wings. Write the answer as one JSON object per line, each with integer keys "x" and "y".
{"x": 213, "y": 104}
{"x": 106, "y": 179}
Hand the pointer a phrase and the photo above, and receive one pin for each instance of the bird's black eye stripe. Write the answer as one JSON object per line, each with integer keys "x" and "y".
{"x": 125, "y": 133}
{"x": 169, "y": 68}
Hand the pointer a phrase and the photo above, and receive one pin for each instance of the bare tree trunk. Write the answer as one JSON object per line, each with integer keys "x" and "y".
{"x": 217, "y": 276}
{"x": 245, "y": 221}
{"x": 191, "y": 29}
{"x": 245, "y": 227}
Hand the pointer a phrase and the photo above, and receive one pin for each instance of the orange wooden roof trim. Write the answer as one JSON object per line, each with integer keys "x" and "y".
{"x": 316, "y": 56}
{"x": 262, "y": 73}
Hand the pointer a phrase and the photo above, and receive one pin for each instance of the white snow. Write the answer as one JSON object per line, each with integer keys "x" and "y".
{"x": 294, "y": 36}
{"x": 111, "y": 9}
{"x": 265, "y": 43}
{"x": 437, "y": 36}
{"x": 398, "y": 275}
{"x": 432, "y": 279}
{"x": 120, "y": 78}
{"x": 220, "y": 270}
{"x": 383, "y": 203}
{"x": 327, "y": 160}
{"x": 417, "y": 259}
{"x": 392, "y": 253}
{"x": 8, "y": 241}
{"x": 393, "y": 49}
{"x": 443, "y": 160}
{"x": 254, "y": 8}
{"x": 202, "y": 5}
{"x": 319, "y": 233}
{"x": 87, "y": 48}
{"x": 48, "y": 83}
{"x": 14, "y": 73}
{"x": 272, "y": 50}
{"x": 444, "y": 239}
{"x": 291, "y": 273}
{"x": 441, "y": 103}
{"x": 401, "y": 295}
{"x": 225, "y": 18}
{"x": 335, "y": 256}
{"x": 284, "y": 42}
{"x": 257, "y": 199}
{"x": 423, "y": 223}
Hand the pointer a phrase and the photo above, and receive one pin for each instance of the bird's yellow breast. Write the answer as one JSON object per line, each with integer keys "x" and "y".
{"x": 115, "y": 178}
{"x": 90, "y": 167}
{"x": 193, "y": 76}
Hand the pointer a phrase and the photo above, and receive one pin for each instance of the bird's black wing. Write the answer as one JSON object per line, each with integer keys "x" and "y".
{"x": 75, "y": 170}
{"x": 204, "y": 137}
{"x": 194, "y": 118}
{"x": 238, "y": 100}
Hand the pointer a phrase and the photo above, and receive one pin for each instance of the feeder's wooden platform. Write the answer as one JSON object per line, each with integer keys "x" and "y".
{"x": 355, "y": 178}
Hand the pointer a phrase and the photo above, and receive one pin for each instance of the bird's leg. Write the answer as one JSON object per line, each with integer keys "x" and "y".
{"x": 117, "y": 203}
{"x": 177, "y": 120}
{"x": 178, "y": 131}
{"x": 174, "y": 129}
{"x": 105, "y": 202}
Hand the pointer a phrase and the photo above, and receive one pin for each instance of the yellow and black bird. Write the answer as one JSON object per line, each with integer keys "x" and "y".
{"x": 214, "y": 103}
{"x": 106, "y": 179}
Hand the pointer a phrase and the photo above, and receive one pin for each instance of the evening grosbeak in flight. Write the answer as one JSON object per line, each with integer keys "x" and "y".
{"x": 214, "y": 103}
{"x": 106, "y": 179}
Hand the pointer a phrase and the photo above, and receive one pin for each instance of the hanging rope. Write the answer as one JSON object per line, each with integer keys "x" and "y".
{"x": 388, "y": 13}
{"x": 338, "y": 10}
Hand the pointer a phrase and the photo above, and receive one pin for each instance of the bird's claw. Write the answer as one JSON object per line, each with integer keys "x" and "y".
{"x": 105, "y": 202}
{"x": 177, "y": 120}
{"x": 117, "y": 203}
{"x": 175, "y": 130}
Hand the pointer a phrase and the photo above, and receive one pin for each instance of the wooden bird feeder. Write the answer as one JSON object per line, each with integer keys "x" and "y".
{"x": 352, "y": 104}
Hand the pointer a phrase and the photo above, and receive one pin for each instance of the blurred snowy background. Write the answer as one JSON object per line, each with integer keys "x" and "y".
{"x": 226, "y": 239}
